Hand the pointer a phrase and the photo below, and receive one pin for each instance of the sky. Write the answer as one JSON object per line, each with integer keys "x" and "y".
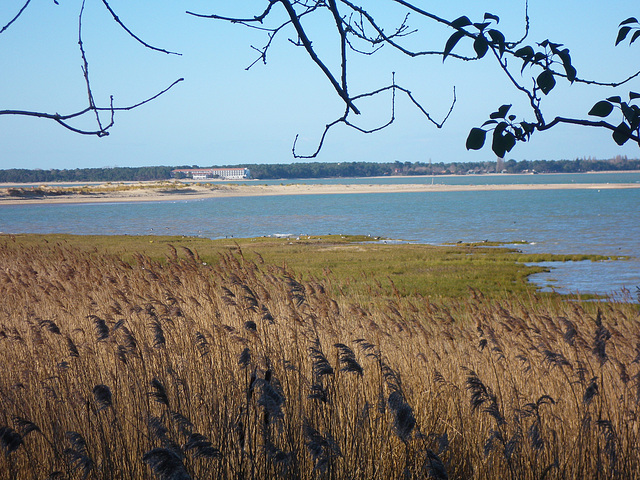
{"x": 224, "y": 114}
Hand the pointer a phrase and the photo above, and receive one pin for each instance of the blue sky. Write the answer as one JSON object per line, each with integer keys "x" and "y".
{"x": 224, "y": 114}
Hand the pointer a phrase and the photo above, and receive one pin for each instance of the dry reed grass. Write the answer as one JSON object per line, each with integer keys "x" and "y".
{"x": 239, "y": 370}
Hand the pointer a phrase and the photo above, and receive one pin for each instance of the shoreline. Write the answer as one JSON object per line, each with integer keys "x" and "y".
{"x": 144, "y": 192}
{"x": 190, "y": 181}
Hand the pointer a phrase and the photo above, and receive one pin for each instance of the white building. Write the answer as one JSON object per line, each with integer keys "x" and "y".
{"x": 206, "y": 173}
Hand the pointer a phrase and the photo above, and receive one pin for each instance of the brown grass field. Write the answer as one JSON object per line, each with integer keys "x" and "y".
{"x": 242, "y": 369}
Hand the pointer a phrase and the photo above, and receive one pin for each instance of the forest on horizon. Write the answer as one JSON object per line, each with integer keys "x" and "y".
{"x": 325, "y": 170}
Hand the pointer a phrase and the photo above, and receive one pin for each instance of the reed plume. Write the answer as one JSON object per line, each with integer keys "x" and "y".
{"x": 173, "y": 369}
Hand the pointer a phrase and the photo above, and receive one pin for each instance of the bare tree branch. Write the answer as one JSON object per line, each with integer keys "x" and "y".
{"x": 361, "y": 31}
{"x": 429, "y": 15}
{"x": 343, "y": 45}
{"x": 302, "y": 35}
{"x": 586, "y": 123}
{"x": 344, "y": 118}
{"x": 389, "y": 39}
{"x": 91, "y": 109}
{"x": 257, "y": 18}
{"x": 143, "y": 102}
{"x": 133, "y": 35}
{"x": 85, "y": 72}
{"x": 16, "y": 17}
{"x": 527, "y": 26}
{"x": 62, "y": 119}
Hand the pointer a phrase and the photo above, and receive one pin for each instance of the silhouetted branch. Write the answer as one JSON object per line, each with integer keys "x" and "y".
{"x": 257, "y": 18}
{"x": 586, "y": 123}
{"x": 343, "y": 47}
{"x": 345, "y": 121}
{"x": 382, "y": 38}
{"x": 302, "y": 35}
{"x": 150, "y": 99}
{"x": 360, "y": 30}
{"x": 133, "y": 35}
{"x": 527, "y": 26}
{"x": 62, "y": 119}
{"x": 85, "y": 72}
{"x": 91, "y": 109}
{"x": 16, "y": 17}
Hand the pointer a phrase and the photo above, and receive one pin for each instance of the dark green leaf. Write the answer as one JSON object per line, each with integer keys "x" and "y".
{"x": 501, "y": 127}
{"x": 635, "y": 36}
{"x": 492, "y": 17}
{"x": 615, "y": 99}
{"x": 453, "y": 39}
{"x": 635, "y": 123}
{"x": 555, "y": 47}
{"x": 499, "y": 145}
{"x": 546, "y": 82}
{"x": 524, "y": 52}
{"x": 461, "y": 22}
{"x": 480, "y": 45}
{"x": 501, "y": 113}
{"x": 509, "y": 141}
{"x": 628, "y": 113}
{"x": 628, "y": 20}
{"x": 481, "y": 26}
{"x": 476, "y": 138}
{"x": 566, "y": 63}
{"x": 539, "y": 56}
{"x": 498, "y": 39}
{"x": 633, "y": 95}
{"x": 601, "y": 109}
{"x": 489, "y": 122}
{"x": 529, "y": 128}
{"x": 571, "y": 73}
{"x": 621, "y": 134}
{"x": 519, "y": 133}
{"x": 622, "y": 34}
{"x": 512, "y": 117}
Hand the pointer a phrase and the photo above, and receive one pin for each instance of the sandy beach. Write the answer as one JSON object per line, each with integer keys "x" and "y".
{"x": 152, "y": 192}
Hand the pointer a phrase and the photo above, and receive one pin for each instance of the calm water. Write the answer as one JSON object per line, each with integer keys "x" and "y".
{"x": 559, "y": 221}
{"x": 498, "y": 179}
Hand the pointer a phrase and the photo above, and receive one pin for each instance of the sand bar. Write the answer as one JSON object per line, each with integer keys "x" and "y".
{"x": 150, "y": 192}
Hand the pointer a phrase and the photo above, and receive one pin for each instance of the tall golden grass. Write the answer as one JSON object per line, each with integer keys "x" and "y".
{"x": 181, "y": 370}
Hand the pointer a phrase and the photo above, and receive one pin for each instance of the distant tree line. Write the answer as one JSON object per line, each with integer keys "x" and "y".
{"x": 78, "y": 175}
{"x": 367, "y": 169}
{"x": 326, "y": 170}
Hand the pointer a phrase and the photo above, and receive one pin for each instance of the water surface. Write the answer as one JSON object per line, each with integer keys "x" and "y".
{"x": 605, "y": 222}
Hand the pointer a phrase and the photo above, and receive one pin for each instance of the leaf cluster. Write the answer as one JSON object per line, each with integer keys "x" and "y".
{"x": 551, "y": 55}
{"x": 483, "y": 37}
{"x": 506, "y": 132}
{"x": 627, "y": 26}
{"x": 630, "y": 116}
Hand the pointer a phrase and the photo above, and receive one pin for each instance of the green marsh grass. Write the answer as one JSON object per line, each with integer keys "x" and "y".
{"x": 355, "y": 263}
{"x": 168, "y": 365}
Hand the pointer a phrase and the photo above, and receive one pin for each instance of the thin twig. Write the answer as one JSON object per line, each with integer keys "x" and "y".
{"x": 302, "y": 35}
{"x": 63, "y": 118}
{"x": 585, "y": 123}
{"x": 16, "y": 17}
{"x": 257, "y": 18}
{"x": 133, "y": 35}
{"x": 344, "y": 118}
{"x": 85, "y": 71}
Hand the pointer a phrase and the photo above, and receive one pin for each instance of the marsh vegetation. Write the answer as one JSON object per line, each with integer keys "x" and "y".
{"x": 236, "y": 365}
